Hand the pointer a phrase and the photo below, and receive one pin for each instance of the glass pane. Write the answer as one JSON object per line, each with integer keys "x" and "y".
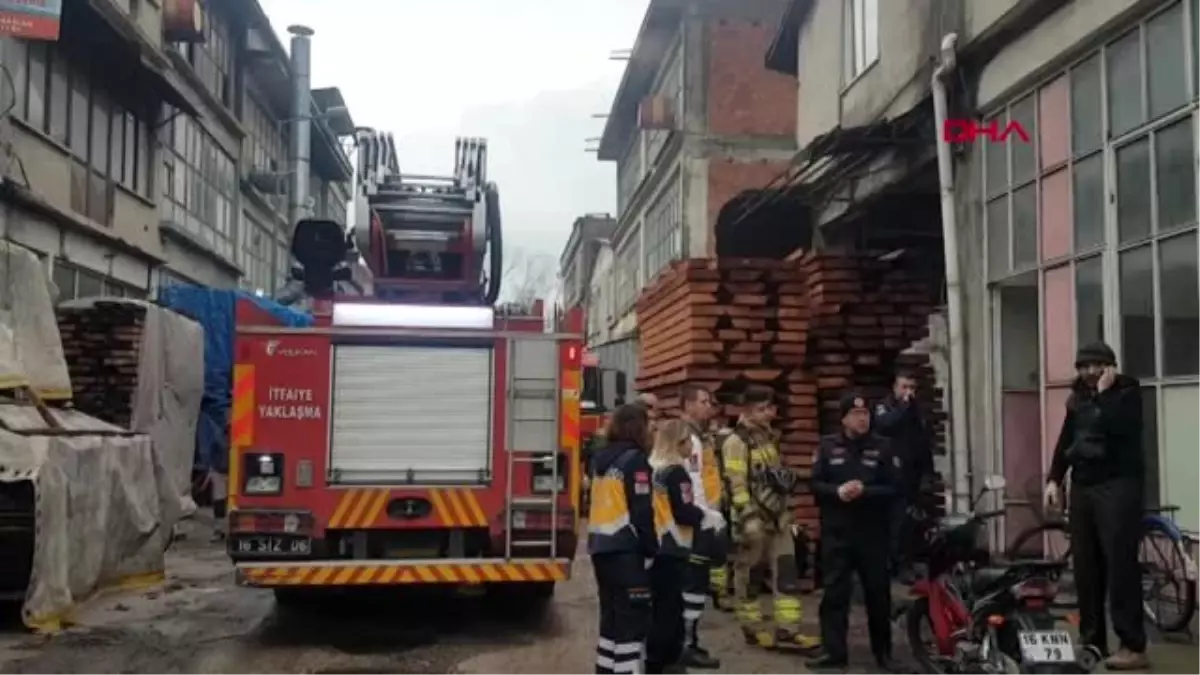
{"x": 1133, "y": 191}
{"x": 1178, "y": 289}
{"x": 90, "y": 285}
{"x": 1088, "y": 202}
{"x": 997, "y": 231}
{"x": 997, "y": 160}
{"x": 1180, "y": 461}
{"x": 1124, "y": 84}
{"x": 1018, "y": 332}
{"x": 1176, "y": 175}
{"x": 1054, "y": 142}
{"x": 1025, "y": 226}
{"x": 1137, "y": 312}
{"x": 60, "y": 94}
{"x": 36, "y": 112}
{"x": 1024, "y": 159}
{"x": 1194, "y": 22}
{"x": 80, "y": 112}
{"x": 1089, "y": 301}
{"x": 1087, "y": 122}
{"x": 1166, "y": 61}
{"x": 64, "y": 278}
{"x": 1058, "y": 322}
{"x": 1150, "y": 443}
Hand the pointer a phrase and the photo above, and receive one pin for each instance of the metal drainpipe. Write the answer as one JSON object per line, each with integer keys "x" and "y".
{"x": 301, "y": 136}
{"x": 960, "y": 457}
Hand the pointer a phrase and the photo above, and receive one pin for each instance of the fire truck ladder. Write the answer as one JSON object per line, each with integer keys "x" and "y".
{"x": 533, "y": 400}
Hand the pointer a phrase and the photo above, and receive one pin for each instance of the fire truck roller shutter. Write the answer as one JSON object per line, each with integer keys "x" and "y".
{"x": 411, "y": 414}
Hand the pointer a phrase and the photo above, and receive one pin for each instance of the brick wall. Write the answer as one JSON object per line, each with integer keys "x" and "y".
{"x": 744, "y": 98}
{"x": 727, "y": 178}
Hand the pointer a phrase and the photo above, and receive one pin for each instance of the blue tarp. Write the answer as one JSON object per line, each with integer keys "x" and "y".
{"x": 216, "y": 311}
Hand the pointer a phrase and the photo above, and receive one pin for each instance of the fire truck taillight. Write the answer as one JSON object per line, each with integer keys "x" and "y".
{"x": 264, "y": 473}
{"x": 272, "y": 522}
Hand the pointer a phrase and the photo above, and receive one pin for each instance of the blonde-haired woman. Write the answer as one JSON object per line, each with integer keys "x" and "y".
{"x": 676, "y": 517}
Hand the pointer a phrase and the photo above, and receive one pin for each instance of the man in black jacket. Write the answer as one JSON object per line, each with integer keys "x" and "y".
{"x": 898, "y": 419}
{"x": 1101, "y": 445}
{"x": 854, "y": 482}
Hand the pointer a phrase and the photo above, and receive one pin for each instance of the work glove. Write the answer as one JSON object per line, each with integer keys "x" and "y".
{"x": 713, "y": 520}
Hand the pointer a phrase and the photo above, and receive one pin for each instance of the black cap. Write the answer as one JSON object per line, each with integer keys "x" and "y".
{"x": 850, "y": 401}
{"x": 1095, "y": 353}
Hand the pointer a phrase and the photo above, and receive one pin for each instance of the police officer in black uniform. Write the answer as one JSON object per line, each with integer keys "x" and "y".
{"x": 898, "y": 419}
{"x": 854, "y": 480}
{"x": 622, "y": 541}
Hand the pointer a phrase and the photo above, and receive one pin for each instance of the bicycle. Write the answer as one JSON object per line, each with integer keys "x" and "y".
{"x": 1160, "y": 582}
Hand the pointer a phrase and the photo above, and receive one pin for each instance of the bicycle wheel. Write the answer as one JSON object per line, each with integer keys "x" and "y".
{"x": 1052, "y": 537}
{"x": 1168, "y": 595}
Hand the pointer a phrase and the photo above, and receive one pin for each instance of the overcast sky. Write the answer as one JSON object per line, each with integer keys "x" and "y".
{"x": 526, "y": 74}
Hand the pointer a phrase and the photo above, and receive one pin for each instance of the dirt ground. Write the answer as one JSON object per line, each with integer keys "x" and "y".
{"x": 199, "y": 622}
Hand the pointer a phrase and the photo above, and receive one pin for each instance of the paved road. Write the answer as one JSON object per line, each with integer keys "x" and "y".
{"x": 198, "y": 622}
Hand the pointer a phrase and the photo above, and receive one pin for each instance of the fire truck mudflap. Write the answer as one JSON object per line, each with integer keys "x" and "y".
{"x": 390, "y": 455}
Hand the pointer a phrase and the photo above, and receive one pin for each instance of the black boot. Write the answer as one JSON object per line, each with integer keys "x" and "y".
{"x": 826, "y": 662}
{"x": 887, "y": 664}
{"x": 695, "y": 656}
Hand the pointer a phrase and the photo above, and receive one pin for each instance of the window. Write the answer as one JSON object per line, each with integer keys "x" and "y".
{"x": 1137, "y": 312}
{"x": 1166, "y": 78}
{"x": 265, "y": 147}
{"x": 1011, "y": 171}
{"x": 256, "y": 255}
{"x": 80, "y": 106}
{"x": 629, "y": 173}
{"x": 664, "y": 229}
{"x": 75, "y": 282}
{"x": 1087, "y": 118}
{"x": 212, "y": 59}
{"x": 1125, "y": 84}
{"x": 1088, "y": 202}
{"x": 628, "y": 276}
{"x": 1133, "y": 191}
{"x": 669, "y": 87}
{"x": 862, "y": 36}
{"x": 200, "y": 185}
{"x": 1180, "y": 327}
{"x": 1089, "y": 300}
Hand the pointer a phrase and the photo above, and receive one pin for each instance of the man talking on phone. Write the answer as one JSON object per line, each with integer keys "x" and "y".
{"x": 1101, "y": 446}
{"x": 898, "y": 419}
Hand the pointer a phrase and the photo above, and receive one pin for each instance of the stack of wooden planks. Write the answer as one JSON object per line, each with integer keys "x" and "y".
{"x": 102, "y": 346}
{"x": 810, "y": 329}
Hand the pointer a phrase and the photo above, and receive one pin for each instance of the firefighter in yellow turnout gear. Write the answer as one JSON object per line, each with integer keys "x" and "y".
{"x": 759, "y": 486}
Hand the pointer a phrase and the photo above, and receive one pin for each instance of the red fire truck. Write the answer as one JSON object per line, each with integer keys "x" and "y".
{"x": 414, "y": 434}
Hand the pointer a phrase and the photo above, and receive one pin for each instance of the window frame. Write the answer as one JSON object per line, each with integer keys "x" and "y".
{"x": 71, "y": 123}
{"x": 202, "y": 195}
{"x": 859, "y": 52}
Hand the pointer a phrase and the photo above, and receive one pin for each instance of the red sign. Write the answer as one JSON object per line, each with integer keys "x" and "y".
{"x": 31, "y": 19}
{"x": 968, "y": 131}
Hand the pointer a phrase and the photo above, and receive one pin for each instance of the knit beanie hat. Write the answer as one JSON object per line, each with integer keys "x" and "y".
{"x": 850, "y": 401}
{"x": 1095, "y": 353}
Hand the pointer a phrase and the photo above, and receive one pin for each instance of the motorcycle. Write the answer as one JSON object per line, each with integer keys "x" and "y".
{"x": 987, "y": 617}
